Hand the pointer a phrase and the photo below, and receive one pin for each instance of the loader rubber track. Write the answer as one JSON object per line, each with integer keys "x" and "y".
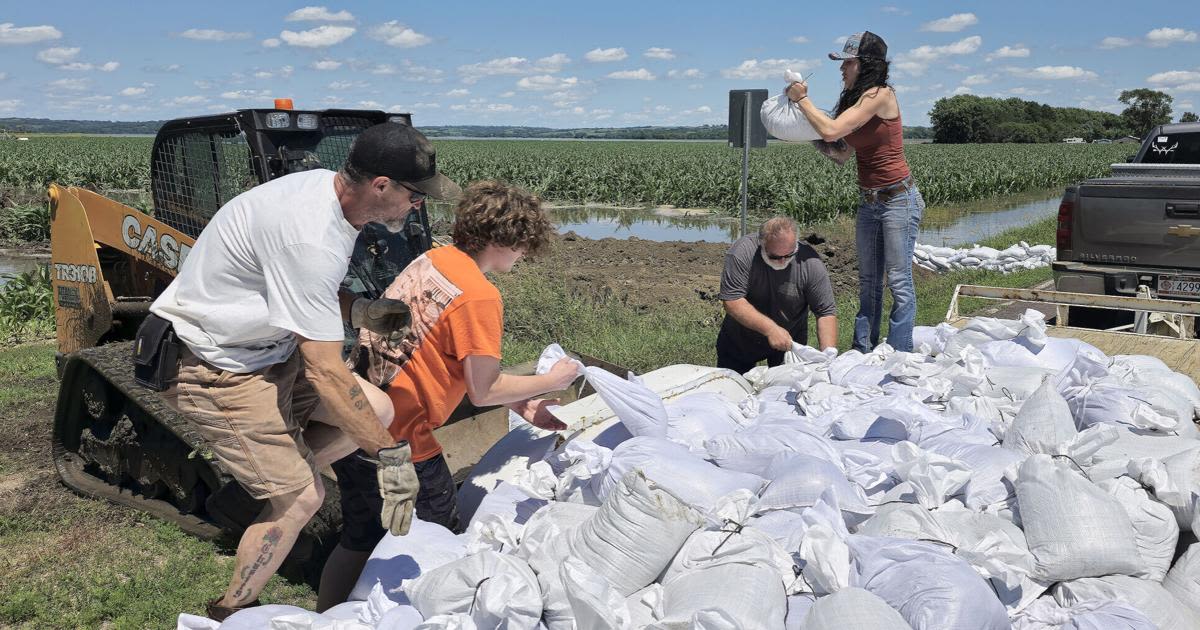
{"x": 116, "y": 440}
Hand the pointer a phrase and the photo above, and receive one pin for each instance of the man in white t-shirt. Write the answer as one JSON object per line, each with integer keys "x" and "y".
{"x": 257, "y": 308}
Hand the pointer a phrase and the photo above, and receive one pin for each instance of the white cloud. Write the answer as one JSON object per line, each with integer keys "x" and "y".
{"x": 458, "y": 93}
{"x": 57, "y": 56}
{"x": 690, "y": 73}
{"x": 512, "y": 66}
{"x": 766, "y": 69}
{"x": 245, "y": 95}
{"x": 347, "y": 85}
{"x": 1160, "y": 37}
{"x": 1025, "y": 91}
{"x": 1174, "y": 78}
{"x": 952, "y": 24}
{"x": 976, "y": 79}
{"x": 962, "y": 89}
{"x": 894, "y": 10}
{"x": 1053, "y": 72}
{"x": 841, "y": 39}
{"x": 660, "y": 53}
{"x": 133, "y": 91}
{"x": 600, "y": 55}
{"x": 271, "y": 42}
{"x": 799, "y": 39}
{"x": 318, "y": 37}
{"x": 508, "y": 94}
{"x": 213, "y": 35}
{"x": 174, "y": 67}
{"x": 187, "y": 100}
{"x": 407, "y": 71}
{"x": 394, "y": 33}
{"x": 3, "y": 76}
{"x": 1009, "y": 52}
{"x": 318, "y": 14}
{"x": 420, "y": 106}
{"x": 72, "y": 85}
{"x": 81, "y": 66}
{"x": 546, "y": 82}
{"x": 905, "y": 89}
{"x": 108, "y": 66}
{"x": 10, "y": 34}
{"x": 370, "y": 105}
{"x": 1109, "y": 43}
{"x": 10, "y": 105}
{"x": 325, "y": 64}
{"x": 916, "y": 61}
{"x": 641, "y": 74}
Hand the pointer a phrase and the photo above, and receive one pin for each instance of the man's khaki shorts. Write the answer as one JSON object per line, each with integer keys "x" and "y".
{"x": 253, "y": 422}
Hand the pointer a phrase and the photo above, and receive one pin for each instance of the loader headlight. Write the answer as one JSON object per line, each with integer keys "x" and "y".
{"x": 308, "y": 121}
{"x": 279, "y": 120}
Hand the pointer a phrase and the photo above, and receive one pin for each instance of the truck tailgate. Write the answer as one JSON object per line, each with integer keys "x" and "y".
{"x": 1133, "y": 221}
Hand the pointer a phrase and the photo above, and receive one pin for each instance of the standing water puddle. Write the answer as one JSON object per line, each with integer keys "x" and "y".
{"x": 967, "y": 223}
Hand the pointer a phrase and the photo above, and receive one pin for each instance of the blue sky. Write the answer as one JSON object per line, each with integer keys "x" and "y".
{"x": 570, "y": 64}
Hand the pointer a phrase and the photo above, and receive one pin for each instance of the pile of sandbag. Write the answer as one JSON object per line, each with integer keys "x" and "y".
{"x": 1017, "y": 257}
{"x": 995, "y": 478}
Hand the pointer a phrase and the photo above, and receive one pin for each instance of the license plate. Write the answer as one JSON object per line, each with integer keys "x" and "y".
{"x": 1179, "y": 286}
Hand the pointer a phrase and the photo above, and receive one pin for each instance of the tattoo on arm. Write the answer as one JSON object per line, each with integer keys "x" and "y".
{"x": 267, "y": 551}
{"x": 356, "y": 396}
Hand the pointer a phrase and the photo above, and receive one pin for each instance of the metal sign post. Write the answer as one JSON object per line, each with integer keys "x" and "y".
{"x": 746, "y": 130}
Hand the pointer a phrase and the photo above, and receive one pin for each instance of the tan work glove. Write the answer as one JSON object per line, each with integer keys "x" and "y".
{"x": 398, "y": 486}
{"x": 387, "y": 317}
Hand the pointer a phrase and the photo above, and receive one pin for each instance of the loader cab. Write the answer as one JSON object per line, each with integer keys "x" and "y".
{"x": 199, "y": 164}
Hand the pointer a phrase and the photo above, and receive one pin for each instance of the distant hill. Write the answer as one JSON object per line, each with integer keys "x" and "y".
{"x": 703, "y": 132}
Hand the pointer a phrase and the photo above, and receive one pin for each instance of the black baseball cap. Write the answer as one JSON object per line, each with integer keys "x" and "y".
{"x": 404, "y": 154}
{"x": 865, "y": 44}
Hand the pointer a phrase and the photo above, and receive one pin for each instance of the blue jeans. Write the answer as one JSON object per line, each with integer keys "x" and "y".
{"x": 885, "y": 235}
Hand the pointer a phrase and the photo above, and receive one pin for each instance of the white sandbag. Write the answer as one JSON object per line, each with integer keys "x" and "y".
{"x": 554, "y": 520}
{"x": 1093, "y": 614}
{"x": 1074, "y": 529}
{"x": 783, "y": 118}
{"x": 1102, "y": 401}
{"x": 635, "y": 405}
{"x": 929, "y": 587}
{"x": 195, "y": 622}
{"x": 507, "y": 503}
{"x": 933, "y": 336}
{"x": 751, "y": 449}
{"x": 693, "y": 480}
{"x": 797, "y": 481}
{"x": 1029, "y": 330}
{"x": 1019, "y": 383}
{"x": 395, "y": 559}
{"x": 259, "y": 617}
{"x": 1008, "y": 354}
{"x": 989, "y": 486}
{"x": 1183, "y": 580}
{"x": 709, "y": 548}
{"x": 368, "y": 612}
{"x": 594, "y": 603}
{"x": 400, "y": 618}
{"x": 932, "y": 477}
{"x": 797, "y": 610}
{"x": 696, "y": 418}
{"x": 1174, "y": 382}
{"x": 1149, "y": 598}
{"x": 546, "y": 546}
{"x": 645, "y": 606}
{"x": 749, "y": 596}
{"x": 1060, "y": 352}
{"x": 507, "y": 458}
{"x": 496, "y": 590}
{"x": 1131, "y": 444}
{"x": 453, "y": 621}
{"x": 635, "y": 534}
{"x": 1154, "y": 526}
{"x": 784, "y": 527}
{"x": 853, "y": 609}
{"x": 1043, "y": 422}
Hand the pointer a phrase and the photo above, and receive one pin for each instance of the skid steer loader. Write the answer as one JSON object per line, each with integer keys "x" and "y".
{"x": 116, "y": 440}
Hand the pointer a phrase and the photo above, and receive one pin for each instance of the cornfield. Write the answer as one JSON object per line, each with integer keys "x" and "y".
{"x": 790, "y": 178}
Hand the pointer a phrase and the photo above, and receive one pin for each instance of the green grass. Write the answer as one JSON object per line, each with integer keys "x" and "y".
{"x": 25, "y": 371}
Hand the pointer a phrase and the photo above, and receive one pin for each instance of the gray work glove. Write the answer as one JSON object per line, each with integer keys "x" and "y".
{"x": 398, "y": 486}
{"x": 387, "y": 317}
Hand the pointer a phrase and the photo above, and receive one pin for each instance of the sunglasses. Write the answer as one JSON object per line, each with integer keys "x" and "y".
{"x": 783, "y": 257}
{"x": 414, "y": 196}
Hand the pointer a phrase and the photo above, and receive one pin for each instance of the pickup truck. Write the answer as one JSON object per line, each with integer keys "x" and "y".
{"x": 1138, "y": 227}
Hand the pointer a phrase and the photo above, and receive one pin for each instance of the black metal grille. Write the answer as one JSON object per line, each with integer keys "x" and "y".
{"x": 337, "y": 134}
{"x": 195, "y": 173}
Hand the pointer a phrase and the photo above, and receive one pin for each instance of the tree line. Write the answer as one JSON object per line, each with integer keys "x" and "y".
{"x": 967, "y": 118}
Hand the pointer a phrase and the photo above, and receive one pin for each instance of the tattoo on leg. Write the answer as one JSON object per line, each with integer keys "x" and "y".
{"x": 265, "y": 553}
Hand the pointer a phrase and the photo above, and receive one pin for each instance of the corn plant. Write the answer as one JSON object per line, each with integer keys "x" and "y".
{"x": 26, "y": 300}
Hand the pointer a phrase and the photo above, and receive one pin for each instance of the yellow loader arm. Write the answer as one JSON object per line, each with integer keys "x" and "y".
{"x": 107, "y": 263}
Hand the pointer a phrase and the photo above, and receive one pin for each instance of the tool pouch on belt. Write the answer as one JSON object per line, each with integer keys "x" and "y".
{"x": 155, "y": 353}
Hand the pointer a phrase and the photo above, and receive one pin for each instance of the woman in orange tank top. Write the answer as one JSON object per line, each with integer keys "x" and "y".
{"x": 866, "y": 122}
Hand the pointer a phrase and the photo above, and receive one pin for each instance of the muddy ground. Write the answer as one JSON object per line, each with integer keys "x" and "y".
{"x": 651, "y": 274}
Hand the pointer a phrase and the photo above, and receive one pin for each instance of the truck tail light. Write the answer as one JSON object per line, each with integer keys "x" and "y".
{"x": 1066, "y": 211}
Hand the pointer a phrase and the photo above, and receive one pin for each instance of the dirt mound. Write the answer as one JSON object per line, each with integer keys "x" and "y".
{"x": 650, "y": 274}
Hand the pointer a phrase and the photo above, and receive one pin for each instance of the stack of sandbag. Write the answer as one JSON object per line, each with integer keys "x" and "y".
{"x": 996, "y": 477}
{"x": 1014, "y": 258}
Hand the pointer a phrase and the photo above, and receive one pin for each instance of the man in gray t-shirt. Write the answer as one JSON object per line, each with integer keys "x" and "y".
{"x": 770, "y": 283}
